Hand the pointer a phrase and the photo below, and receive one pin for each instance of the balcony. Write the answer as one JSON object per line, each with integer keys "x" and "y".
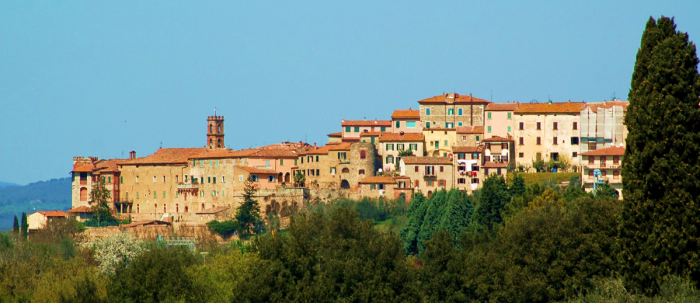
{"x": 429, "y": 176}
{"x": 187, "y": 186}
{"x": 603, "y": 165}
{"x": 344, "y": 161}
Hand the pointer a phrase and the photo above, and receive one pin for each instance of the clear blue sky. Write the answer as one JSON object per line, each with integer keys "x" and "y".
{"x": 100, "y": 78}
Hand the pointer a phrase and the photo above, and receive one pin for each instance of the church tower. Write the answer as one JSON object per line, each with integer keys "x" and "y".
{"x": 215, "y": 132}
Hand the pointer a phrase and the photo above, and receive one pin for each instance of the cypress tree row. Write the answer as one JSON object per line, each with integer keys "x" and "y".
{"x": 659, "y": 233}
{"x": 15, "y": 226}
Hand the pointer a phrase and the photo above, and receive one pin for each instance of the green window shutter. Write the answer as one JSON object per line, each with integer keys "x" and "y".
{"x": 489, "y": 115}
{"x": 357, "y": 129}
{"x": 489, "y": 129}
{"x": 372, "y": 139}
{"x": 446, "y": 143}
{"x": 347, "y": 129}
{"x": 217, "y": 162}
{"x": 427, "y": 124}
{"x": 110, "y": 180}
{"x": 383, "y": 128}
{"x": 155, "y": 195}
{"x": 121, "y": 180}
{"x": 459, "y": 111}
{"x": 509, "y": 115}
{"x": 477, "y": 138}
{"x": 437, "y": 144}
{"x": 127, "y": 196}
{"x": 508, "y": 128}
{"x": 398, "y": 124}
{"x": 281, "y": 161}
{"x": 104, "y": 179}
{"x": 137, "y": 195}
{"x": 427, "y": 112}
{"x": 210, "y": 163}
{"x": 295, "y": 161}
{"x": 163, "y": 194}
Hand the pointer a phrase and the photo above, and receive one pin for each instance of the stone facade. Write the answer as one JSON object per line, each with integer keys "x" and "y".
{"x": 392, "y": 144}
{"x": 452, "y": 110}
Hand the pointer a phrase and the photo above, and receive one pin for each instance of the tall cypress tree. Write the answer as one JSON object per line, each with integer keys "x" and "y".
{"x": 659, "y": 233}
{"x": 24, "y": 229}
{"x": 15, "y": 226}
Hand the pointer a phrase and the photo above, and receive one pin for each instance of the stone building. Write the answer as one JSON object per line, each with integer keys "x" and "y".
{"x": 339, "y": 165}
{"x": 547, "y": 131}
{"x": 335, "y": 137}
{"x": 81, "y": 181}
{"x": 499, "y": 119}
{"x": 392, "y": 144}
{"x": 608, "y": 161}
{"x": 386, "y": 187}
{"x": 428, "y": 174}
{"x": 86, "y": 171}
{"x": 406, "y": 120}
{"x": 452, "y": 110}
{"x": 469, "y": 135}
{"x": 40, "y": 219}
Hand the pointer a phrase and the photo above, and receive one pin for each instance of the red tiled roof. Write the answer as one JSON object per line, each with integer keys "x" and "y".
{"x": 52, "y": 213}
{"x": 497, "y": 139}
{"x": 610, "y": 151}
{"x": 426, "y": 160}
{"x": 470, "y": 129}
{"x": 545, "y": 108}
{"x": 110, "y": 165}
{"x": 406, "y": 114}
{"x": 452, "y": 98}
{"x": 495, "y": 165}
{"x": 406, "y": 137}
{"x": 341, "y": 146}
{"x": 254, "y": 170}
{"x": 224, "y": 153}
{"x": 347, "y": 139}
{"x": 467, "y": 149}
{"x": 80, "y": 209}
{"x": 370, "y": 134}
{"x": 439, "y": 128}
{"x": 323, "y": 150}
{"x": 608, "y": 104}
{"x": 275, "y": 153}
{"x": 336, "y": 135}
{"x": 81, "y": 167}
{"x": 366, "y": 123}
{"x": 167, "y": 156}
{"x": 378, "y": 180}
{"x": 501, "y": 107}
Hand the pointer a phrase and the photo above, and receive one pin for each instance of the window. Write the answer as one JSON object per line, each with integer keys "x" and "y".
{"x": 318, "y": 172}
{"x": 459, "y": 123}
{"x": 459, "y": 111}
{"x": 521, "y": 155}
{"x": 522, "y": 141}
{"x": 363, "y": 154}
{"x": 574, "y": 140}
{"x": 509, "y": 114}
{"x": 427, "y": 124}
{"x": 127, "y": 196}
{"x": 254, "y": 178}
{"x": 575, "y": 125}
{"x": 154, "y": 179}
{"x": 163, "y": 194}
{"x": 427, "y": 112}
{"x": 155, "y": 195}
{"x": 489, "y": 129}
{"x": 437, "y": 144}
{"x": 449, "y": 125}
{"x": 413, "y": 146}
{"x": 464, "y": 138}
{"x": 121, "y": 180}
{"x": 345, "y": 170}
{"x": 539, "y": 141}
{"x": 446, "y": 143}
{"x": 509, "y": 129}
{"x": 555, "y": 126}
{"x": 477, "y": 138}
{"x": 194, "y": 163}
{"x": 602, "y": 161}
{"x": 316, "y": 158}
{"x": 383, "y": 128}
{"x": 442, "y": 169}
{"x": 214, "y": 180}
{"x": 201, "y": 163}
{"x": 410, "y": 124}
{"x": 489, "y": 116}
{"x": 240, "y": 178}
{"x": 201, "y": 180}
{"x": 574, "y": 154}
{"x": 539, "y": 125}
{"x": 616, "y": 160}
{"x": 616, "y": 174}
{"x": 110, "y": 180}
{"x": 217, "y": 163}
{"x": 270, "y": 178}
{"x": 398, "y": 124}
{"x": 416, "y": 170}
{"x": 208, "y": 179}
{"x": 163, "y": 179}
{"x": 555, "y": 141}
{"x": 357, "y": 129}
{"x": 362, "y": 172}
{"x": 450, "y": 111}
{"x": 521, "y": 126}
{"x": 211, "y": 163}
{"x": 104, "y": 179}
{"x": 295, "y": 162}
{"x": 347, "y": 129}
{"x": 137, "y": 195}
{"x": 399, "y": 146}
{"x": 389, "y": 159}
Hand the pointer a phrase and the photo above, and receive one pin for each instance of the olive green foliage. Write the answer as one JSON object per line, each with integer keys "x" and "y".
{"x": 15, "y": 226}
{"x": 24, "y": 230}
{"x": 224, "y": 228}
{"x": 661, "y": 170}
{"x": 606, "y": 190}
{"x": 613, "y": 290}
{"x": 248, "y": 213}
{"x": 328, "y": 258}
{"x": 494, "y": 197}
{"x": 157, "y": 275}
{"x": 416, "y": 213}
{"x": 101, "y": 210}
{"x": 544, "y": 177}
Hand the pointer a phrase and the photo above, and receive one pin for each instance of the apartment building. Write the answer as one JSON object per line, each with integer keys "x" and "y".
{"x": 469, "y": 135}
{"x": 407, "y": 121}
{"x": 468, "y": 160}
{"x": 352, "y": 129}
{"x": 392, "y": 144}
{"x": 439, "y": 141}
{"x": 499, "y": 119}
{"x": 428, "y": 174}
{"x": 607, "y": 162}
{"x": 547, "y": 131}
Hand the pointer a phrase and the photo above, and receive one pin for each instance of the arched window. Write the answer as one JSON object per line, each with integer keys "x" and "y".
{"x": 187, "y": 209}
{"x": 218, "y": 143}
{"x": 154, "y": 179}
{"x": 83, "y": 194}
{"x": 219, "y": 129}
{"x": 211, "y": 143}
{"x": 346, "y": 170}
{"x": 362, "y": 172}
{"x": 211, "y": 129}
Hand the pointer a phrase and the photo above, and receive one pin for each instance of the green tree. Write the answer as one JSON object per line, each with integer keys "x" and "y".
{"x": 100, "y": 207}
{"x": 24, "y": 230}
{"x": 457, "y": 215}
{"x": 416, "y": 213}
{"x": 493, "y": 199}
{"x": 431, "y": 221}
{"x": 299, "y": 179}
{"x": 660, "y": 169}
{"x": 605, "y": 190}
{"x": 518, "y": 188}
{"x": 248, "y": 213}
{"x": 15, "y": 226}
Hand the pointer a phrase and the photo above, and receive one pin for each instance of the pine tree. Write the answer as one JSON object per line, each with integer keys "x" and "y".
{"x": 431, "y": 221}
{"x": 659, "y": 233}
{"x": 416, "y": 213}
{"x": 457, "y": 214}
{"x": 15, "y": 226}
{"x": 248, "y": 213}
{"x": 518, "y": 188}
{"x": 24, "y": 229}
{"x": 493, "y": 199}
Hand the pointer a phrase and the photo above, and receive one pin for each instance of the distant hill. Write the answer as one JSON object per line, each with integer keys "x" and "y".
{"x": 54, "y": 194}
{"x": 6, "y": 184}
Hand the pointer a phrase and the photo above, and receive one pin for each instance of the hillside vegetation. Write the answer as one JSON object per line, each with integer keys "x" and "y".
{"x": 54, "y": 194}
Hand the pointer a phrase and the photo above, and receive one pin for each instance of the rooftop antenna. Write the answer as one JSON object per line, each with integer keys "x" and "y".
{"x": 613, "y": 96}
{"x": 161, "y": 144}
{"x": 214, "y": 111}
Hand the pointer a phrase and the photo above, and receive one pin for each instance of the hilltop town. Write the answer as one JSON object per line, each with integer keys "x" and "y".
{"x": 449, "y": 141}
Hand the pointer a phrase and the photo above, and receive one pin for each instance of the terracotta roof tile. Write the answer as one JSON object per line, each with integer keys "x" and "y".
{"x": 80, "y": 209}
{"x": 110, "y": 165}
{"x": 145, "y": 222}
{"x": 378, "y": 180}
{"x": 501, "y": 107}
{"x": 470, "y": 129}
{"x": 495, "y": 165}
{"x": 323, "y": 150}
{"x": 426, "y": 160}
{"x": 83, "y": 167}
{"x": 275, "y": 153}
{"x": 406, "y": 114}
{"x": 254, "y": 170}
{"x": 167, "y": 156}
{"x": 608, "y": 104}
{"x": 467, "y": 149}
{"x": 347, "y": 139}
{"x": 370, "y": 134}
{"x": 406, "y": 137}
{"x": 452, "y": 98}
{"x": 610, "y": 151}
{"x": 366, "y": 123}
{"x": 545, "y": 108}
{"x": 336, "y": 135}
{"x": 52, "y": 213}
{"x": 341, "y": 146}
{"x": 497, "y": 139}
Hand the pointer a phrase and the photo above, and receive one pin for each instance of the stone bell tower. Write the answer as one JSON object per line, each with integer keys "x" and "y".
{"x": 215, "y": 132}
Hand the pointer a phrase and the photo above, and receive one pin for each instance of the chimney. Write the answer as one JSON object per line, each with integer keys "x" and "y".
{"x": 314, "y": 145}
{"x": 132, "y": 155}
